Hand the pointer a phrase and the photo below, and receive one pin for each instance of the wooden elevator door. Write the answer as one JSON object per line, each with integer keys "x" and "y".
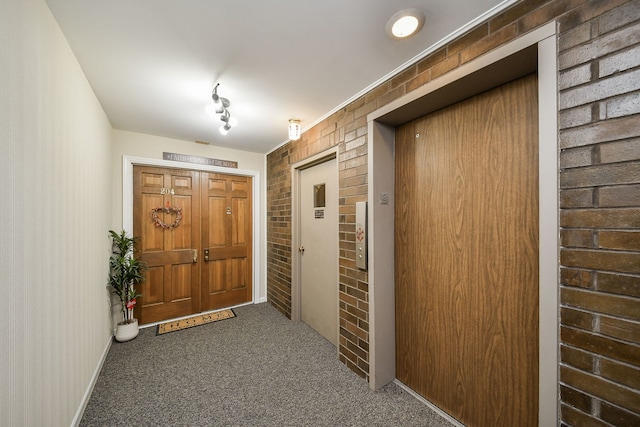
{"x": 467, "y": 257}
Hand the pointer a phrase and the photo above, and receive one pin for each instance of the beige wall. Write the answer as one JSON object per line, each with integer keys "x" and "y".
{"x": 55, "y": 181}
{"x": 151, "y": 147}
{"x": 61, "y": 186}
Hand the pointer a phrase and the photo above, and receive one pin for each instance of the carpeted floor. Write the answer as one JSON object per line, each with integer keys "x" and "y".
{"x": 258, "y": 369}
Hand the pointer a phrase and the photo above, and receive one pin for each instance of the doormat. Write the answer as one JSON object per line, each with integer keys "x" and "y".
{"x": 190, "y": 322}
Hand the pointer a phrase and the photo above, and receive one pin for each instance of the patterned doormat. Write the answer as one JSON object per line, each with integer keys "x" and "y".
{"x": 190, "y": 322}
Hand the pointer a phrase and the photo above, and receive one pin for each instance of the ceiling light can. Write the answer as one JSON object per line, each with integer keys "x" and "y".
{"x": 404, "y": 23}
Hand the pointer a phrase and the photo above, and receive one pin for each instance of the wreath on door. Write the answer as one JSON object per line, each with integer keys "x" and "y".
{"x": 171, "y": 210}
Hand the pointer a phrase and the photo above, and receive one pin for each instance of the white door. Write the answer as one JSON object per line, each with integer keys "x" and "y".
{"x": 319, "y": 248}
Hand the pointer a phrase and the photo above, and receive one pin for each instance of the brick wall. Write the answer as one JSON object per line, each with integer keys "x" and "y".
{"x": 346, "y": 128}
{"x": 599, "y": 137}
{"x": 599, "y": 103}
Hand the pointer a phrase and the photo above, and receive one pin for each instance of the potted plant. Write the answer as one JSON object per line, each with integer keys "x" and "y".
{"x": 125, "y": 272}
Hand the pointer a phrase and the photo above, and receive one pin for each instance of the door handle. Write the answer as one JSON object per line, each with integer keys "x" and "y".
{"x": 195, "y": 255}
{"x": 301, "y": 249}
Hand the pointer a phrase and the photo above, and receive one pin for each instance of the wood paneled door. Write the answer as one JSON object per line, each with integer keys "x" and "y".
{"x": 226, "y": 240}
{"x": 200, "y": 257}
{"x": 467, "y": 257}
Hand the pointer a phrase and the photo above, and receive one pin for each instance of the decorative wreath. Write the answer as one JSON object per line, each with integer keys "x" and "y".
{"x": 167, "y": 210}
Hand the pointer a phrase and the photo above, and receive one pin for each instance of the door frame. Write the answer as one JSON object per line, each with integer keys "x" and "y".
{"x": 127, "y": 203}
{"x": 296, "y": 233}
{"x": 461, "y": 82}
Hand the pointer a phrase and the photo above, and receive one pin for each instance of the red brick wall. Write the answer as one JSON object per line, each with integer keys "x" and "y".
{"x": 599, "y": 137}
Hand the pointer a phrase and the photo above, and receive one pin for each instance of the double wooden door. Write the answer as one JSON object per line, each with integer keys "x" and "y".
{"x": 195, "y": 232}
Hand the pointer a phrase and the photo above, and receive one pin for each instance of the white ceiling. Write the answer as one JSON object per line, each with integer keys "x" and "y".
{"x": 154, "y": 63}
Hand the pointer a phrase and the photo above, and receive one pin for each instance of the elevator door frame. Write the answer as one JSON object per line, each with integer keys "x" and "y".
{"x": 467, "y": 80}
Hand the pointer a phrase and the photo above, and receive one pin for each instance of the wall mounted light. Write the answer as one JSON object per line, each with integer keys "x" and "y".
{"x": 221, "y": 106}
{"x": 405, "y": 23}
{"x": 294, "y": 129}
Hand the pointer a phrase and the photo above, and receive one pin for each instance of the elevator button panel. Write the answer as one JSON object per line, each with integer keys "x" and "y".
{"x": 361, "y": 235}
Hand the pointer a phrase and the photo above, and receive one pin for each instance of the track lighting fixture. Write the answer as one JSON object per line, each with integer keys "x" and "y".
{"x": 221, "y": 106}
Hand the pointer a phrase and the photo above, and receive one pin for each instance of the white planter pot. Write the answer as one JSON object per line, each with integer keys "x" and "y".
{"x": 126, "y": 331}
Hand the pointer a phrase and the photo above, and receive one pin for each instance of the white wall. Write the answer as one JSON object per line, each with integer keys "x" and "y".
{"x": 55, "y": 194}
{"x": 134, "y": 144}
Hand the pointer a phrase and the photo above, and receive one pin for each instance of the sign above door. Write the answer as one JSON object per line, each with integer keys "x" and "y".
{"x": 199, "y": 160}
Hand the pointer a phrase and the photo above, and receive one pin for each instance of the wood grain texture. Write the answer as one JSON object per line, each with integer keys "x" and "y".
{"x": 467, "y": 256}
{"x": 172, "y": 285}
{"x": 177, "y": 286}
{"x": 227, "y": 235}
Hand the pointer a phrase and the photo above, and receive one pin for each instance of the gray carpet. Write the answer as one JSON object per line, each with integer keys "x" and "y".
{"x": 258, "y": 369}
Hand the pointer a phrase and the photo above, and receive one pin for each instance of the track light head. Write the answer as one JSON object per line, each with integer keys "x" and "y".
{"x": 214, "y": 95}
{"x": 224, "y": 129}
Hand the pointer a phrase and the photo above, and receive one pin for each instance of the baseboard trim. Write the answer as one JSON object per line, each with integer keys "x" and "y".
{"x": 433, "y": 407}
{"x": 92, "y": 384}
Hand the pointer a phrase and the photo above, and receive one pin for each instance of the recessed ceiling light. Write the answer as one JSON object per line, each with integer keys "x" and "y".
{"x": 405, "y": 23}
